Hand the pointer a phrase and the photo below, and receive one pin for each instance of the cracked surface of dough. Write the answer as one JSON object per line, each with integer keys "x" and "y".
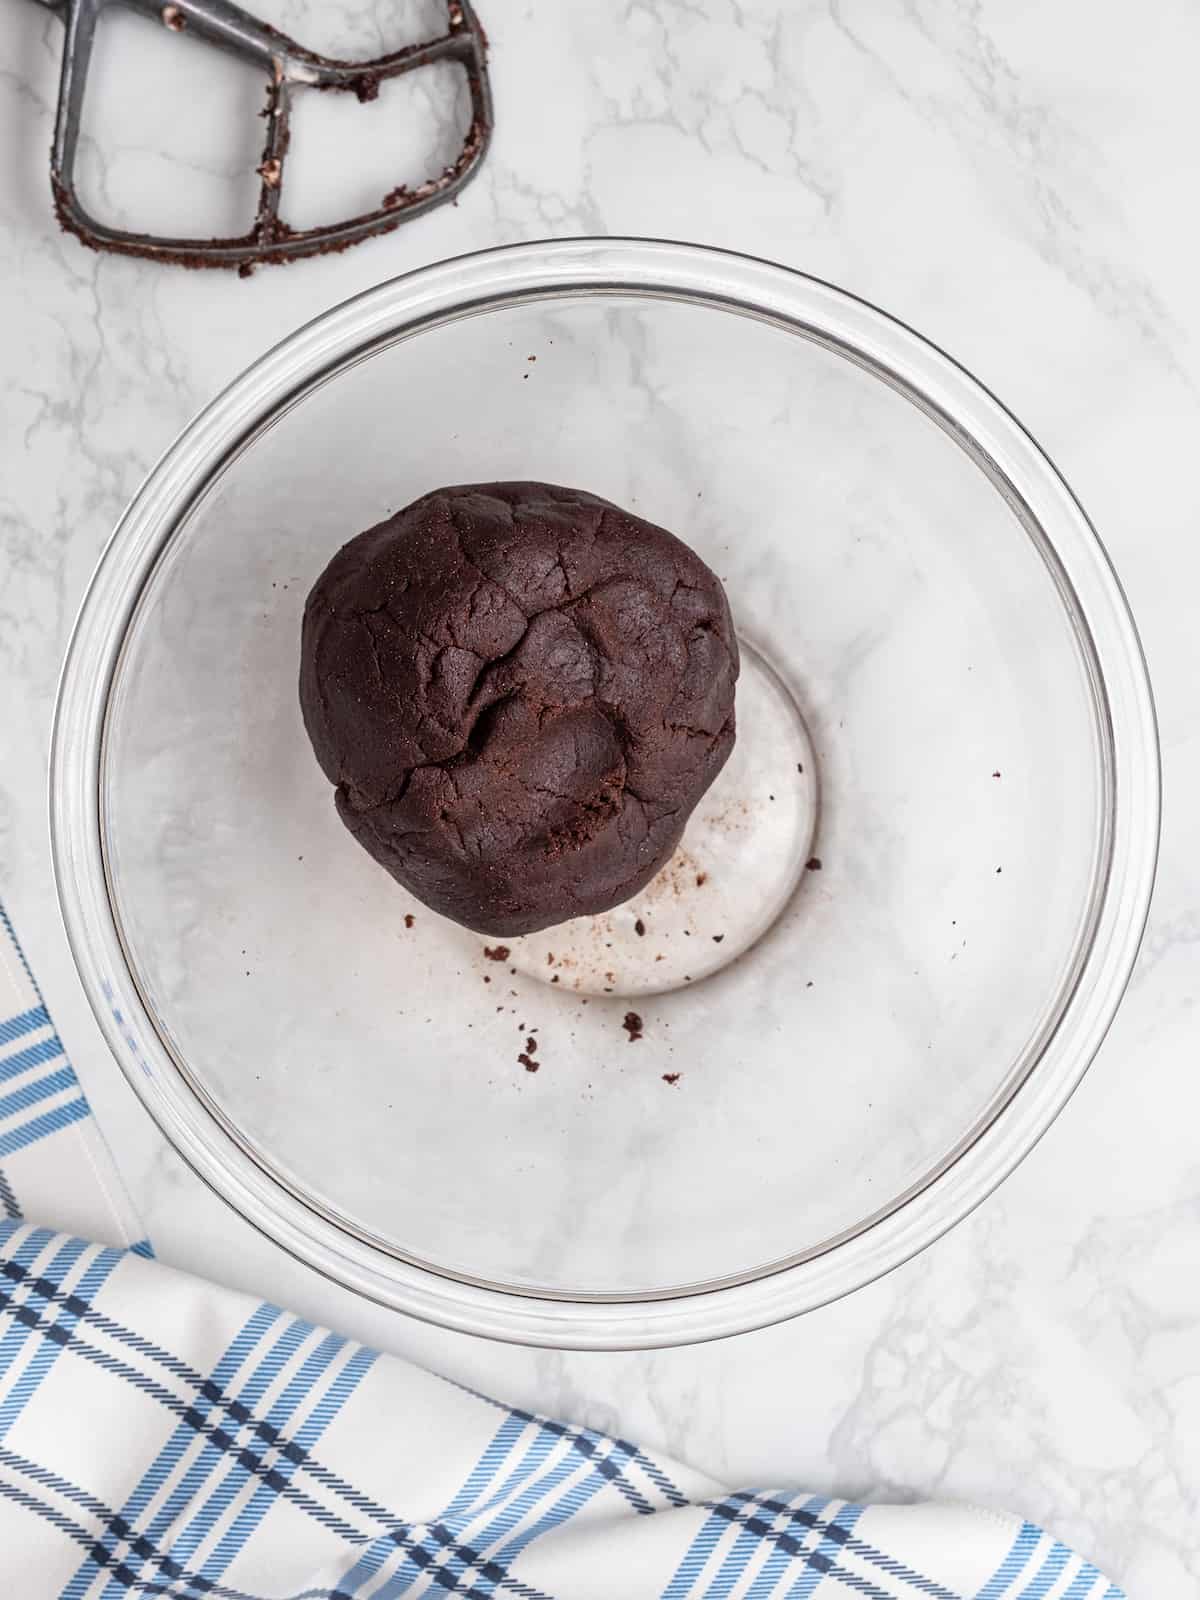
{"x": 519, "y": 692}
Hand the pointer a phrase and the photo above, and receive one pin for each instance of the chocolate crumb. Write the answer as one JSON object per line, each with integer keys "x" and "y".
{"x": 701, "y": 879}
{"x": 813, "y": 863}
{"x": 633, "y": 1026}
{"x": 486, "y": 979}
{"x": 799, "y": 766}
{"x": 717, "y": 937}
{"x": 770, "y": 797}
{"x": 531, "y": 358}
{"x": 670, "y": 1077}
{"x": 995, "y": 774}
{"x": 527, "y": 1062}
{"x": 497, "y": 952}
{"x": 554, "y": 979}
{"x": 531, "y": 1045}
{"x": 409, "y": 919}
{"x": 809, "y": 984}
{"x": 549, "y": 958}
{"x": 639, "y": 928}
{"x": 999, "y": 869}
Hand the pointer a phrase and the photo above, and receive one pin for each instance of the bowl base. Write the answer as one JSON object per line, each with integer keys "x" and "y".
{"x": 745, "y": 849}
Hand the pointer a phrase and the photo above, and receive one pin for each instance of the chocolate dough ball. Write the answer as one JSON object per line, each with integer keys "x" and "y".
{"x": 520, "y": 693}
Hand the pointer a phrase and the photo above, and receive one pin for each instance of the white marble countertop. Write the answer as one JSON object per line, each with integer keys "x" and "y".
{"x": 1015, "y": 180}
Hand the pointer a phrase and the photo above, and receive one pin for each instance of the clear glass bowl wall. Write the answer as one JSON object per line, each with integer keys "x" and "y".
{"x": 905, "y": 567}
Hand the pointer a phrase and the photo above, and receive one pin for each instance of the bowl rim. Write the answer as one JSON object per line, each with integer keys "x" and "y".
{"x": 795, "y": 302}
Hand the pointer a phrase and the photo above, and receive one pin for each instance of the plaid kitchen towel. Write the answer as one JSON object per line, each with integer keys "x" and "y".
{"x": 161, "y": 1436}
{"x": 54, "y": 1164}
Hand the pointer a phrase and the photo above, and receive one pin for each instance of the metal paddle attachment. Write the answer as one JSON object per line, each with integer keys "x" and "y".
{"x": 287, "y": 67}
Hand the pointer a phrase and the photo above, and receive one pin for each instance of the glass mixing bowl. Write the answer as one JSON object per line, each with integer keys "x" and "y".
{"x": 897, "y": 927}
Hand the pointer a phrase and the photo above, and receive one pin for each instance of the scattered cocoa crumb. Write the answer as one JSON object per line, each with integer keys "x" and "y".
{"x": 531, "y": 358}
{"x": 497, "y": 952}
{"x": 670, "y": 1077}
{"x": 512, "y": 972}
{"x": 633, "y": 1026}
{"x": 999, "y": 869}
{"x": 409, "y": 919}
{"x": 687, "y": 933}
{"x": 524, "y": 374}
{"x": 486, "y": 979}
{"x": 527, "y": 1062}
{"x": 809, "y": 984}
{"x": 701, "y": 879}
{"x": 658, "y": 958}
{"x": 995, "y": 774}
{"x": 813, "y": 863}
{"x": 549, "y": 958}
{"x": 770, "y": 797}
{"x": 554, "y": 979}
{"x": 717, "y": 937}
{"x": 799, "y": 766}
{"x": 639, "y": 928}
{"x": 530, "y": 1045}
